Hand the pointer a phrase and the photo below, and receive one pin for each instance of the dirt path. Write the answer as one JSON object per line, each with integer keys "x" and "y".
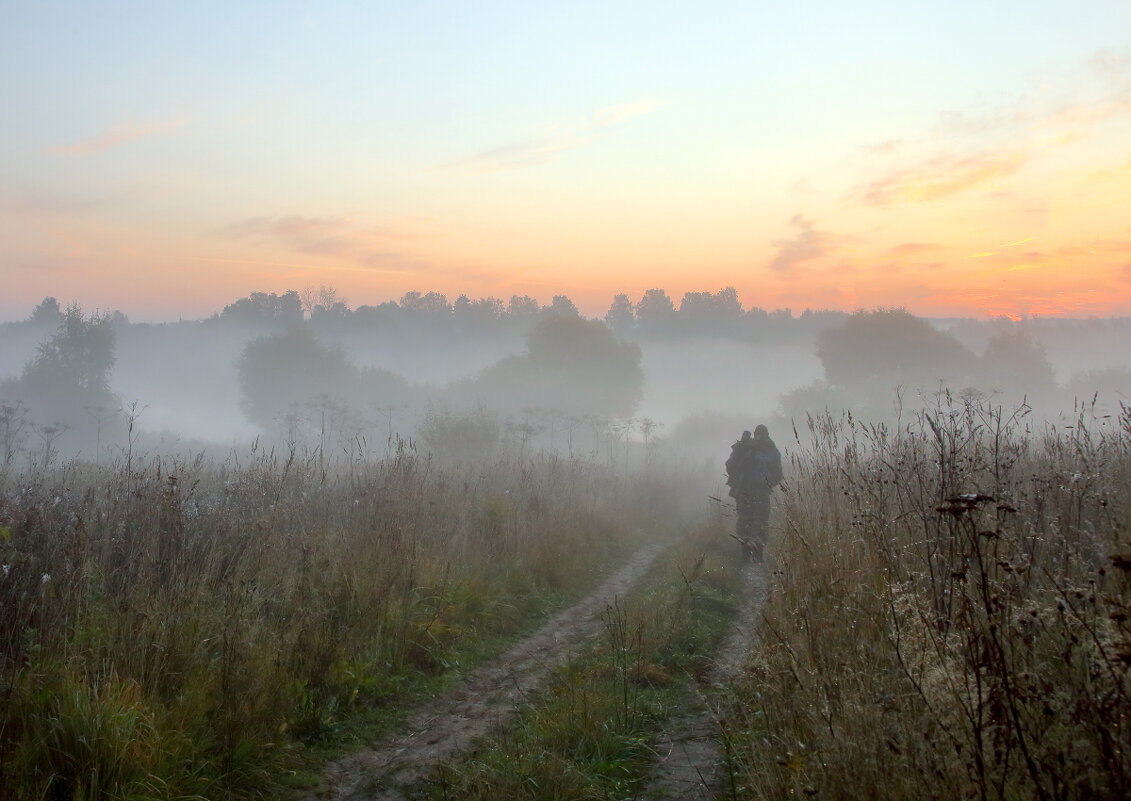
{"x": 482, "y": 704}
{"x": 690, "y": 766}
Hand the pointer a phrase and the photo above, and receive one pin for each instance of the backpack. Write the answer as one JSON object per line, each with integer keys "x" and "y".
{"x": 762, "y": 469}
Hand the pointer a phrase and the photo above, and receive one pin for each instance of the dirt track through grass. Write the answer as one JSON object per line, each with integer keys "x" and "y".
{"x": 691, "y": 767}
{"x": 483, "y": 703}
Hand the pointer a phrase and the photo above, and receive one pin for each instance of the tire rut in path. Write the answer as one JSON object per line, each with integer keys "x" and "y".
{"x": 690, "y": 764}
{"x": 486, "y": 700}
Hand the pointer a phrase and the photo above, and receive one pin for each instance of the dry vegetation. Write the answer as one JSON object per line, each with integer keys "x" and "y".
{"x": 187, "y": 629}
{"x": 948, "y": 613}
{"x": 592, "y": 733}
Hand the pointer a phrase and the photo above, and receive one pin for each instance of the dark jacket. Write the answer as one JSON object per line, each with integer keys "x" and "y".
{"x": 754, "y": 465}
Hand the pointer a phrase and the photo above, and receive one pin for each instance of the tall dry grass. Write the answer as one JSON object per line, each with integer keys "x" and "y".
{"x": 948, "y": 614}
{"x": 176, "y": 629}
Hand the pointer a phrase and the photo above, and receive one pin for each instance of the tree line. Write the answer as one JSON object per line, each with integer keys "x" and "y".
{"x": 293, "y": 359}
{"x": 655, "y": 313}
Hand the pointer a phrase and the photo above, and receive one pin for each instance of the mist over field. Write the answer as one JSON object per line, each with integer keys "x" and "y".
{"x": 476, "y": 376}
{"x": 375, "y": 382}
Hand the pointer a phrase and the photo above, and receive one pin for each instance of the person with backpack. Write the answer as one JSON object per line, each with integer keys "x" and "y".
{"x": 753, "y": 470}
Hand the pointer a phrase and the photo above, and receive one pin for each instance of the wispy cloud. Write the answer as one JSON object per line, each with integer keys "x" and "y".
{"x": 1111, "y": 64}
{"x": 806, "y": 245}
{"x": 325, "y": 235}
{"x": 561, "y": 137}
{"x": 117, "y": 135}
{"x": 341, "y": 238}
{"x": 967, "y": 151}
{"x": 1085, "y": 115}
{"x": 515, "y": 155}
{"x": 941, "y": 177}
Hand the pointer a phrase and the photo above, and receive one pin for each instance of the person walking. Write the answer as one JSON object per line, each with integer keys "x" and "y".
{"x": 753, "y": 470}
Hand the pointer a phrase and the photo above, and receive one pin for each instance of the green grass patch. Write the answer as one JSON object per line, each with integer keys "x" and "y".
{"x": 590, "y": 735}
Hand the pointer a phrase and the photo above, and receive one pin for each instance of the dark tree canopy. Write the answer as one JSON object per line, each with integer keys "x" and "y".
{"x": 561, "y": 306}
{"x": 1015, "y": 362}
{"x": 68, "y": 381}
{"x": 621, "y": 317}
{"x": 711, "y": 312}
{"x": 47, "y": 312}
{"x": 433, "y": 303}
{"x": 483, "y": 313}
{"x": 573, "y": 365}
{"x": 289, "y": 369}
{"x": 655, "y": 313}
{"x": 265, "y": 308}
{"x": 522, "y": 306}
{"x": 873, "y": 351}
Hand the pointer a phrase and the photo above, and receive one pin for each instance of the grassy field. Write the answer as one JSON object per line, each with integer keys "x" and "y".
{"x": 948, "y": 616}
{"x": 183, "y": 629}
{"x": 948, "y": 613}
{"x": 591, "y": 734}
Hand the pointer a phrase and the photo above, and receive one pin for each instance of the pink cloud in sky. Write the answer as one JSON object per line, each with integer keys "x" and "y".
{"x": 808, "y": 244}
{"x": 941, "y": 177}
{"x": 119, "y": 134}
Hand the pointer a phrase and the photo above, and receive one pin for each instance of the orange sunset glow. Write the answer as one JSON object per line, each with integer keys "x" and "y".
{"x": 836, "y": 166}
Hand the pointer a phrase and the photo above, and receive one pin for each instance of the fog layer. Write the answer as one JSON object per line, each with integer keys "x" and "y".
{"x": 474, "y": 376}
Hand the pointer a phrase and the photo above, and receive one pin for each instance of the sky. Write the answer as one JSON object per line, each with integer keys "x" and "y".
{"x": 955, "y": 158}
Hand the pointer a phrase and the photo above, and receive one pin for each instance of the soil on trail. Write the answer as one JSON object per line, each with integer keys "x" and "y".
{"x": 483, "y": 703}
{"x": 690, "y": 766}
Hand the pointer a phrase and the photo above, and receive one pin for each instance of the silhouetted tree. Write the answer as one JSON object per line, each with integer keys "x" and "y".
{"x": 289, "y": 369}
{"x": 70, "y": 372}
{"x": 522, "y": 307}
{"x": 711, "y": 313}
{"x": 655, "y": 312}
{"x": 561, "y": 306}
{"x": 621, "y": 317}
{"x": 288, "y": 375}
{"x": 1015, "y": 362}
{"x": 874, "y": 351}
{"x": 481, "y": 315}
{"x": 573, "y": 365}
{"x": 263, "y": 308}
{"x": 338, "y": 312}
{"x": 432, "y": 304}
{"x": 372, "y": 318}
{"x": 47, "y": 312}
{"x": 326, "y": 297}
